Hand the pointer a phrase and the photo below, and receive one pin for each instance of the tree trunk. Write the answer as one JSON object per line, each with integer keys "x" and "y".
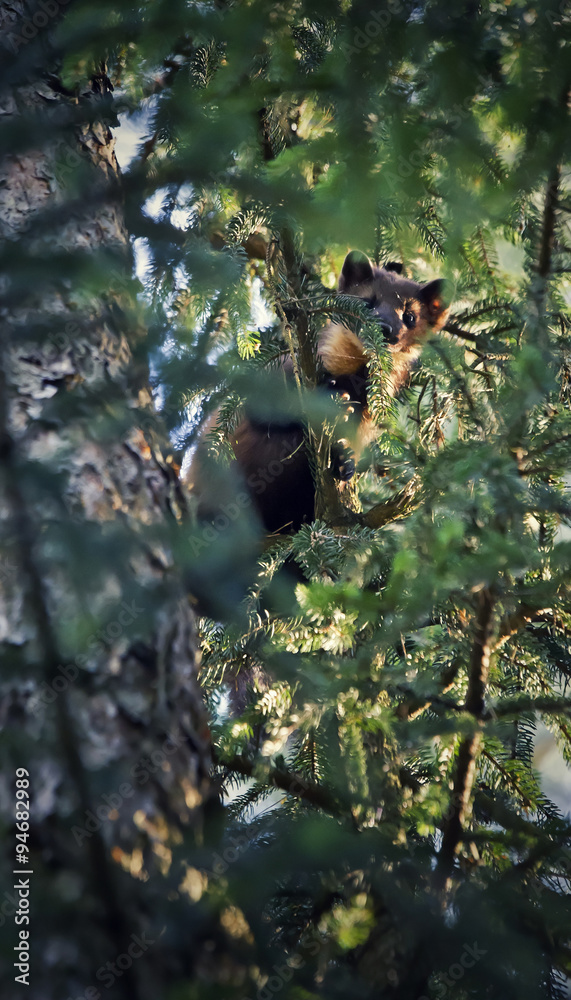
{"x": 99, "y": 703}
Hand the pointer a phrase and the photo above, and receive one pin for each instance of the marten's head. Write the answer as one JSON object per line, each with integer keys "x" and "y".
{"x": 407, "y": 312}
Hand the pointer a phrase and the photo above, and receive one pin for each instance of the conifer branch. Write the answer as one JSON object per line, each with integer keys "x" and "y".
{"x": 519, "y": 619}
{"x": 398, "y": 506}
{"x": 291, "y": 782}
{"x": 295, "y": 282}
{"x": 508, "y": 778}
{"x": 410, "y": 709}
{"x": 526, "y": 703}
{"x": 548, "y": 223}
{"x": 453, "y": 827}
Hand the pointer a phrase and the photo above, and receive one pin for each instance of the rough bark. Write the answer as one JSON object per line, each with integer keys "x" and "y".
{"x": 98, "y": 694}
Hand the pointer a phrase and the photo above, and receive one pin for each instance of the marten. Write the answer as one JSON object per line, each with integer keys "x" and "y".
{"x": 271, "y": 456}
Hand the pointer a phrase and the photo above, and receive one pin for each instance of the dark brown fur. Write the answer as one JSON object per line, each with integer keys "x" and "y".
{"x": 392, "y": 298}
{"x": 270, "y": 457}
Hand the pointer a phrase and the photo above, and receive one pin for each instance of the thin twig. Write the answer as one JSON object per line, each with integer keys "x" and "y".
{"x": 461, "y": 383}
{"x": 457, "y": 331}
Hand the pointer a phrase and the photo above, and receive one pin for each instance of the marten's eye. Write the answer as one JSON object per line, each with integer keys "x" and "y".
{"x": 408, "y": 318}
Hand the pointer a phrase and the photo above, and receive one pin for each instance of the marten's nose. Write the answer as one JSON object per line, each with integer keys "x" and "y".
{"x": 388, "y": 333}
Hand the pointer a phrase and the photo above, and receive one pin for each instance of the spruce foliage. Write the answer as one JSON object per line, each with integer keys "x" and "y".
{"x": 376, "y": 681}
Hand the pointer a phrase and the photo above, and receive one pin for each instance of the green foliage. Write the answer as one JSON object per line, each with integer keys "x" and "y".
{"x": 375, "y": 691}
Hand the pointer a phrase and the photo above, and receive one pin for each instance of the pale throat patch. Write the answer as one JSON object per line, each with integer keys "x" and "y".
{"x": 341, "y": 350}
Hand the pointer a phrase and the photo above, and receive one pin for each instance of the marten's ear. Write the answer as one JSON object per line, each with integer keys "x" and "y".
{"x": 437, "y": 296}
{"x": 393, "y": 265}
{"x": 357, "y": 269}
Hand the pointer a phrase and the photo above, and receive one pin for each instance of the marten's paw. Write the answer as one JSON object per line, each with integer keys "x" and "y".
{"x": 342, "y": 460}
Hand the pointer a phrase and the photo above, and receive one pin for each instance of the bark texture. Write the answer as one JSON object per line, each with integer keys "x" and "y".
{"x": 98, "y": 699}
